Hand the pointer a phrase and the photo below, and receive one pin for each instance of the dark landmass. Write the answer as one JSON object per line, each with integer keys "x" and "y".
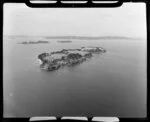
{"x": 34, "y": 42}
{"x": 64, "y": 41}
{"x": 67, "y": 57}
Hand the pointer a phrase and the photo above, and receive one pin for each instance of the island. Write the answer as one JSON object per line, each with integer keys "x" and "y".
{"x": 67, "y": 57}
{"x": 34, "y": 42}
{"x": 64, "y": 41}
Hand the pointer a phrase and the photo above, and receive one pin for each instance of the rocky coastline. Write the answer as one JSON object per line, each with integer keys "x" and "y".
{"x": 67, "y": 57}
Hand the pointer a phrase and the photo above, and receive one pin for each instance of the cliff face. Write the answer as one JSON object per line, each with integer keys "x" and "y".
{"x": 67, "y": 57}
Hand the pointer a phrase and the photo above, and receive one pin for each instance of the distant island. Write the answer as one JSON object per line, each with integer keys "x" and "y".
{"x": 67, "y": 57}
{"x": 64, "y": 41}
{"x": 33, "y": 42}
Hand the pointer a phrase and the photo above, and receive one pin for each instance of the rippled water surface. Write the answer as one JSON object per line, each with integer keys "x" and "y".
{"x": 111, "y": 84}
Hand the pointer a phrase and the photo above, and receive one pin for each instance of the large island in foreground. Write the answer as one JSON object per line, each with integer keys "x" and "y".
{"x": 67, "y": 57}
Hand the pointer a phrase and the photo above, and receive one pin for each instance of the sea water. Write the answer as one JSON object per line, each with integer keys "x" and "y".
{"x": 110, "y": 84}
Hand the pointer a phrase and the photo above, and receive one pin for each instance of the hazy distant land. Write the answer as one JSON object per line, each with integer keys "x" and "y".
{"x": 87, "y": 37}
{"x": 79, "y": 37}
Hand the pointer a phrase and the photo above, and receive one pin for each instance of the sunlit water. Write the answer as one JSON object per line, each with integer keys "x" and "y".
{"x": 111, "y": 84}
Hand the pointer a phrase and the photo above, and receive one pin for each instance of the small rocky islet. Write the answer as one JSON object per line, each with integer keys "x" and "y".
{"x": 67, "y": 57}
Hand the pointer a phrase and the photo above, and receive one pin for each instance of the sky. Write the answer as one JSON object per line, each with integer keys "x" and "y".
{"x": 129, "y": 20}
